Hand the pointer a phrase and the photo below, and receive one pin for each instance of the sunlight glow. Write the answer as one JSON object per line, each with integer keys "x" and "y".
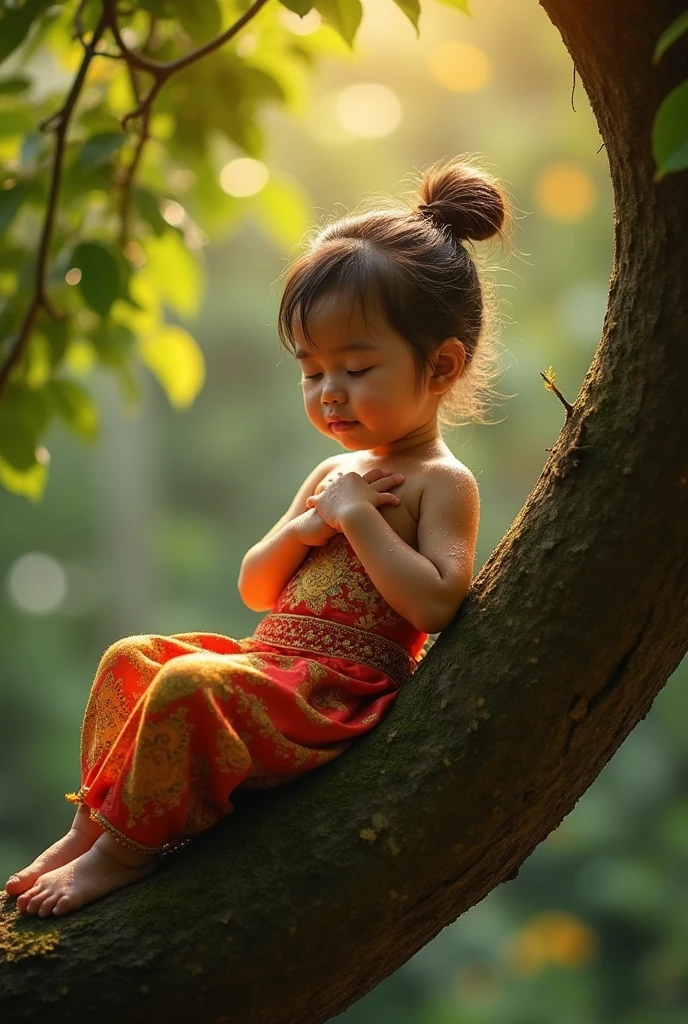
{"x": 565, "y": 191}
{"x": 243, "y": 177}
{"x": 369, "y": 110}
{"x": 460, "y": 67}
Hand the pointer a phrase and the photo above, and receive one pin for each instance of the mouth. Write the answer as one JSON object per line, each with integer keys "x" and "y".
{"x": 339, "y": 426}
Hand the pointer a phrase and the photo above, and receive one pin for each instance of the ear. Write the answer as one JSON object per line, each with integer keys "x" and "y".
{"x": 449, "y": 361}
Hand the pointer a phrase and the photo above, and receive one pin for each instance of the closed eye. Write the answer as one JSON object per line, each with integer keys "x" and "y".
{"x": 353, "y": 373}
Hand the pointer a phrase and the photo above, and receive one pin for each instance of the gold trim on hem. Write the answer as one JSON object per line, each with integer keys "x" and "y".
{"x": 335, "y": 640}
{"x": 94, "y": 815}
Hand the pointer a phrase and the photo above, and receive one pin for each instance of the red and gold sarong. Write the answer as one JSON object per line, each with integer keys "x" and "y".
{"x": 174, "y": 724}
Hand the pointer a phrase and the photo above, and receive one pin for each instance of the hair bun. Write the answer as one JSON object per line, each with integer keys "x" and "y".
{"x": 463, "y": 197}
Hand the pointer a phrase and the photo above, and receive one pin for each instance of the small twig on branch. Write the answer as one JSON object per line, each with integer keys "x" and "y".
{"x": 39, "y": 299}
{"x": 548, "y": 378}
{"x": 79, "y": 23}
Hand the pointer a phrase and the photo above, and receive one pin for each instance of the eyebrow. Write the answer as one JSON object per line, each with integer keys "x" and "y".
{"x": 351, "y": 346}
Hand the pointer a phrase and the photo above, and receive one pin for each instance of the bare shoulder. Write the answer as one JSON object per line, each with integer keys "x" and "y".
{"x": 449, "y": 510}
{"x": 448, "y": 529}
{"x": 449, "y": 478}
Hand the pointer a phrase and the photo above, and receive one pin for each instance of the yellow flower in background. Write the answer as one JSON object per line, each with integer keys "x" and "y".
{"x": 552, "y": 937}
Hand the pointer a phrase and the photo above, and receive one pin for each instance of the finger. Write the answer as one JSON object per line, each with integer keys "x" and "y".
{"x": 389, "y": 499}
{"x": 391, "y": 480}
{"x": 375, "y": 473}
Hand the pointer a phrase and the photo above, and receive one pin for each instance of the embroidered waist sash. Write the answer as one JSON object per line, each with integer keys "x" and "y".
{"x": 335, "y": 640}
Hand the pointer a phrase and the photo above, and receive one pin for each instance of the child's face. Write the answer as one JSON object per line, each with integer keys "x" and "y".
{"x": 374, "y": 386}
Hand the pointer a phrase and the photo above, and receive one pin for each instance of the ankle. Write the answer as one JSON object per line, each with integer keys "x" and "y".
{"x": 85, "y": 825}
{"x": 114, "y": 850}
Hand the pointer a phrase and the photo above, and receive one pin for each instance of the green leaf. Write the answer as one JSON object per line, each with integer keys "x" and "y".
{"x": 14, "y": 85}
{"x": 99, "y": 148}
{"x": 57, "y": 333}
{"x": 460, "y": 5}
{"x": 17, "y": 442}
{"x": 202, "y": 21}
{"x": 75, "y": 407}
{"x": 10, "y": 201}
{"x": 344, "y": 15}
{"x": 147, "y": 205}
{"x": 411, "y": 9}
{"x": 174, "y": 357}
{"x": 670, "y": 133}
{"x": 15, "y": 24}
{"x": 301, "y": 7}
{"x": 15, "y": 122}
{"x": 285, "y": 211}
{"x": 100, "y": 282}
{"x": 674, "y": 31}
{"x": 24, "y": 415}
{"x": 175, "y": 271}
{"x": 114, "y": 343}
{"x": 37, "y": 361}
{"x": 29, "y": 483}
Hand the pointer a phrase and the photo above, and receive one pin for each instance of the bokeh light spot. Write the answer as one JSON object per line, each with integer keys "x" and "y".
{"x": 37, "y": 583}
{"x": 73, "y": 276}
{"x": 173, "y": 212}
{"x": 460, "y": 67}
{"x": 369, "y": 110}
{"x": 565, "y": 191}
{"x": 244, "y": 177}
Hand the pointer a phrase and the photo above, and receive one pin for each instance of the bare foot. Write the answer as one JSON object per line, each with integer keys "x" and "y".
{"x": 80, "y": 838}
{"x": 107, "y": 866}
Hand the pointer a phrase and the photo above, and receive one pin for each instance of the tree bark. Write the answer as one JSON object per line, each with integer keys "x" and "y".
{"x": 306, "y": 899}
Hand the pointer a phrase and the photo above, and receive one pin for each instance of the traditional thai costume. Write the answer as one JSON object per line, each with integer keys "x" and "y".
{"x": 174, "y": 724}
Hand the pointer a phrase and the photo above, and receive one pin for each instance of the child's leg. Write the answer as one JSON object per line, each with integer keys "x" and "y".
{"x": 80, "y": 838}
{"x": 106, "y": 866}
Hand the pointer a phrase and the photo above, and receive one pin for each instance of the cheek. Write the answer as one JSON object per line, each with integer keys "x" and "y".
{"x": 311, "y": 404}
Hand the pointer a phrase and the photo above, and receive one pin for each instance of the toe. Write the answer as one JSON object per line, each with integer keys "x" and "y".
{"x": 20, "y": 882}
{"x": 48, "y": 903}
{"x": 35, "y": 902}
{"x": 62, "y": 906}
{"x": 23, "y": 900}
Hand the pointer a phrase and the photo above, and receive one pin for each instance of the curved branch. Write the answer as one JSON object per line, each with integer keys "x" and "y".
{"x": 307, "y": 898}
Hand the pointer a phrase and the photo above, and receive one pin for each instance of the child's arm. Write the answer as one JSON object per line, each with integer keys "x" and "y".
{"x": 426, "y": 586}
{"x": 266, "y": 567}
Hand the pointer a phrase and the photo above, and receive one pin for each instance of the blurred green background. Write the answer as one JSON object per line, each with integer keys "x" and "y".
{"x": 146, "y": 532}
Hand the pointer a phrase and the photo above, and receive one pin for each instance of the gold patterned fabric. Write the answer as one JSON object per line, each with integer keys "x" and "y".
{"x": 174, "y": 724}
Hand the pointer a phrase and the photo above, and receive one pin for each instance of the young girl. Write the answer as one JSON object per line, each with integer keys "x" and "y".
{"x": 384, "y": 314}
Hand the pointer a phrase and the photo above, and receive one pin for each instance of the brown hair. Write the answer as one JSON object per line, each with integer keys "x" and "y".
{"x": 413, "y": 263}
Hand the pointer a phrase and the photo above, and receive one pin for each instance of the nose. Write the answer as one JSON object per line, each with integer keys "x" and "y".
{"x": 332, "y": 390}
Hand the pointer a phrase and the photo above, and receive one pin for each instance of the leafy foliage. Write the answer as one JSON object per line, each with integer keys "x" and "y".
{"x": 110, "y": 185}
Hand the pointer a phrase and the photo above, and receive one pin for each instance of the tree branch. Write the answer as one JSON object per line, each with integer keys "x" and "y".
{"x": 161, "y": 71}
{"x": 576, "y": 619}
{"x": 39, "y": 299}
